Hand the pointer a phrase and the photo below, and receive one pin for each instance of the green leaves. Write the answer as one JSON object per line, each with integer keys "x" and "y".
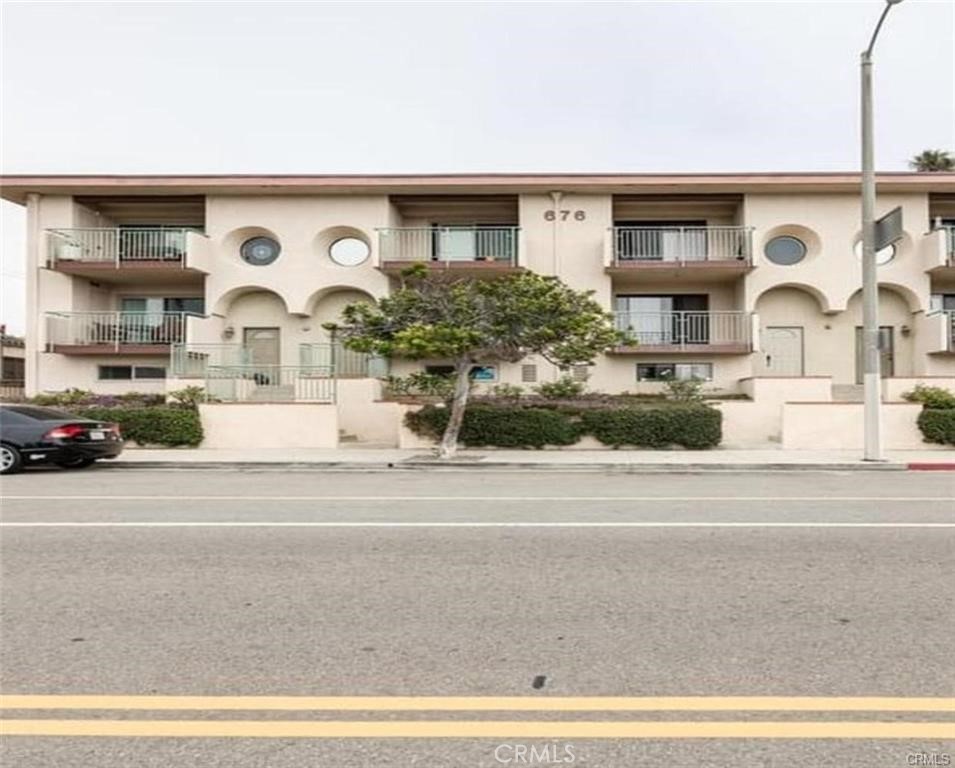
{"x": 503, "y": 319}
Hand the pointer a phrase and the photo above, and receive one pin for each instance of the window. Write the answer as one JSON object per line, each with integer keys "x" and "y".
{"x": 159, "y": 304}
{"x": 579, "y": 373}
{"x": 131, "y": 372}
{"x": 676, "y": 319}
{"x": 785, "y": 250}
{"x": 529, "y": 373}
{"x": 661, "y": 240}
{"x": 260, "y": 251}
{"x": 478, "y": 372}
{"x": 680, "y": 371}
{"x": 349, "y": 251}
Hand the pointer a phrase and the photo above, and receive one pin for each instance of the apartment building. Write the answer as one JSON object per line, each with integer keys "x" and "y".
{"x": 151, "y": 283}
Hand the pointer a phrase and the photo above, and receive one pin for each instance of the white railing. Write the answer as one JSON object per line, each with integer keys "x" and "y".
{"x": 449, "y": 244}
{"x": 949, "y": 242}
{"x": 686, "y": 328}
{"x": 191, "y": 360}
{"x": 118, "y": 245}
{"x": 341, "y": 360}
{"x": 679, "y": 244}
{"x": 115, "y": 329}
{"x": 270, "y": 384}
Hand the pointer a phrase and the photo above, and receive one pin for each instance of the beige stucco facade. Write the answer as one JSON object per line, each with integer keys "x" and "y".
{"x": 682, "y": 259}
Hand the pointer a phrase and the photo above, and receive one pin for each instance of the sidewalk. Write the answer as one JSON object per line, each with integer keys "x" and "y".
{"x": 622, "y": 460}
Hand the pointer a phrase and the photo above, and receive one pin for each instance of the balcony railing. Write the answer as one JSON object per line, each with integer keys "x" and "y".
{"x": 118, "y": 246}
{"x": 115, "y": 329}
{"x": 682, "y": 244}
{"x": 682, "y": 329}
{"x": 449, "y": 244}
{"x": 949, "y": 231}
{"x": 270, "y": 384}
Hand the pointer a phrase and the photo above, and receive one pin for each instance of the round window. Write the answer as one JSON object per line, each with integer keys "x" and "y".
{"x": 349, "y": 251}
{"x": 881, "y": 257}
{"x": 785, "y": 250}
{"x": 260, "y": 251}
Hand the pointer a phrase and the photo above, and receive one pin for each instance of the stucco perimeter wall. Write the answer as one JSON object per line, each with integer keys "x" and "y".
{"x": 362, "y": 414}
{"x": 758, "y": 422}
{"x": 268, "y": 425}
{"x": 838, "y": 426}
{"x": 893, "y": 389}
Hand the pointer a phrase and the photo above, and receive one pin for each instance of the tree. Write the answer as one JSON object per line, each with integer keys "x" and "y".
{"x": 931, "y": 160}
{"x": 477, "y": 322}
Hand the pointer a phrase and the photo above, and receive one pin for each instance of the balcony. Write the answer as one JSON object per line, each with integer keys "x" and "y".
{"x": 128, "y": 254}
{"x": 463, "y": 250}
{"x": 131, "y": 333}
{"x": 728, "y": 333}
{"x": 664, "y": 253}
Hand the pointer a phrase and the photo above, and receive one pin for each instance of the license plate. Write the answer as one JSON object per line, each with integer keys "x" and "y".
{"x": 97, "y": 434}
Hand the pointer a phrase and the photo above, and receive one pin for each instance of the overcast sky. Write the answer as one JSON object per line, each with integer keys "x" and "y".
{"x": 230, "y": 87}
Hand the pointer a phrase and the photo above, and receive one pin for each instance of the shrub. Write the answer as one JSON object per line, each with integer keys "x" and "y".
{"x": 507, "y": 391}
{"x": 189, "y": 396}
{"x": 70, "y": 398}
{"x": 565, "y": 386}
{"x": 500, "y": 426}
{"x": 420, "y": 383}
{"x": 684, "y": 390}
{"x": 931, "y": 397}
{"x": 690, "y": 426}
{"x": 158, "y": 425}
{"x": 938, "y": 425}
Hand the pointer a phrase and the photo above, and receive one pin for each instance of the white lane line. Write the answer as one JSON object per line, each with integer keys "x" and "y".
{"x": 482, "y": 498}
{"x": 441, "y": 524}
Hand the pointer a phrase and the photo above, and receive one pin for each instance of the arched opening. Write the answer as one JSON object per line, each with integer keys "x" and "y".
{"x": 792, "y": 332}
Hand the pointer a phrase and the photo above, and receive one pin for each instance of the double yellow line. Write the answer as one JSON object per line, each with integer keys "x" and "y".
{"x": 485, "y": 728}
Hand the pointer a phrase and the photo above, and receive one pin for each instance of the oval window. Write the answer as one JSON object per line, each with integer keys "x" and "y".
{"x": 785, "y": 250}
{"x": 883, "y": 256}
{"x": 260, "y": 251}
{"x": 349, "y": 251}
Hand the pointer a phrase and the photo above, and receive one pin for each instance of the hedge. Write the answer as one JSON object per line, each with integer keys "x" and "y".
{"x": 690, "y": 426}
{"x": 499, "y": 426}
{"x": 157, "y": 425}
{"x": 937, "y": 425}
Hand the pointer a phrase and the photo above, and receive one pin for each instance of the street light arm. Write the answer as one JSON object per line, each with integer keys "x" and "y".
{"x": 867, "y": 53}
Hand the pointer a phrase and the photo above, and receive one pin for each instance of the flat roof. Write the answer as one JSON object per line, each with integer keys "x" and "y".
{"x": 16, "y": 187}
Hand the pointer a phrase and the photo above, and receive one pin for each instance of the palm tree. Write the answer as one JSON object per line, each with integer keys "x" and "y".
{"x": 931, "y": 160}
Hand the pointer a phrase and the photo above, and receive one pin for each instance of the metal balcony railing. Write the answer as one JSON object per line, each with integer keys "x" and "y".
{"x": 687, "y": 328}
{"x": 118, "y": 245}
{"x": 115, "y": 329}
{"x": 449, "y": 244}
{"x": 682, "y": 244}
{"x": 270, "y": 384}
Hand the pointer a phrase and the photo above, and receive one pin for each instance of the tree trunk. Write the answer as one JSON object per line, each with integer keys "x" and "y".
{"x": 462, "y": 387}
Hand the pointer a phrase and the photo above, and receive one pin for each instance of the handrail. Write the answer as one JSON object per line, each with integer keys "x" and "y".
{"x": 682, "y": 328}
{"x": 450, "y": 243}
{"x": 118, "y": 245}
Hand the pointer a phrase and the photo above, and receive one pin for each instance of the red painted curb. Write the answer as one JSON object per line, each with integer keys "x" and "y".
{"x": 928, "y": 466}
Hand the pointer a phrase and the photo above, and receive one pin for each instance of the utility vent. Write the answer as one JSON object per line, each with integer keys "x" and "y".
{"x": 528, "y": 374}
{"x": 579, "y": 372}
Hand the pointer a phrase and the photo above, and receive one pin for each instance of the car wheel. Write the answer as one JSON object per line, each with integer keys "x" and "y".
{"x": 75, "y": 463}
{"x": 10, "y": 460}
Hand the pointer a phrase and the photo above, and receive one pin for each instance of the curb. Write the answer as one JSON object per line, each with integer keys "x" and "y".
{"x": 932, "y": 466}
{"x": 526, "y": 466}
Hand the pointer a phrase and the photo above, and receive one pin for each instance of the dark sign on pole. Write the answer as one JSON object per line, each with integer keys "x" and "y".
{"x": 888, "y": 229}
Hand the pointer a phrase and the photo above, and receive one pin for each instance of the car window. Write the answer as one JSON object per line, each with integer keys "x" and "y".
{"x": 40, "y": 414}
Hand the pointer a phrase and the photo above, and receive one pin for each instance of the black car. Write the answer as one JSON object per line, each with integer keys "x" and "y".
{"x": 31, "y": 434}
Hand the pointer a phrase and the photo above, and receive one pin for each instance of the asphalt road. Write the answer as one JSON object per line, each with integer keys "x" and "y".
{"x": 535, "y": 590}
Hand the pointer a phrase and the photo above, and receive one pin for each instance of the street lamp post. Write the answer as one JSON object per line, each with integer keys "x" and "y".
{"x": 871, "y": 362}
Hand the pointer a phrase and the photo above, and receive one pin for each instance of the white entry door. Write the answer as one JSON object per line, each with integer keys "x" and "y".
{"x": 782, "y": 351}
